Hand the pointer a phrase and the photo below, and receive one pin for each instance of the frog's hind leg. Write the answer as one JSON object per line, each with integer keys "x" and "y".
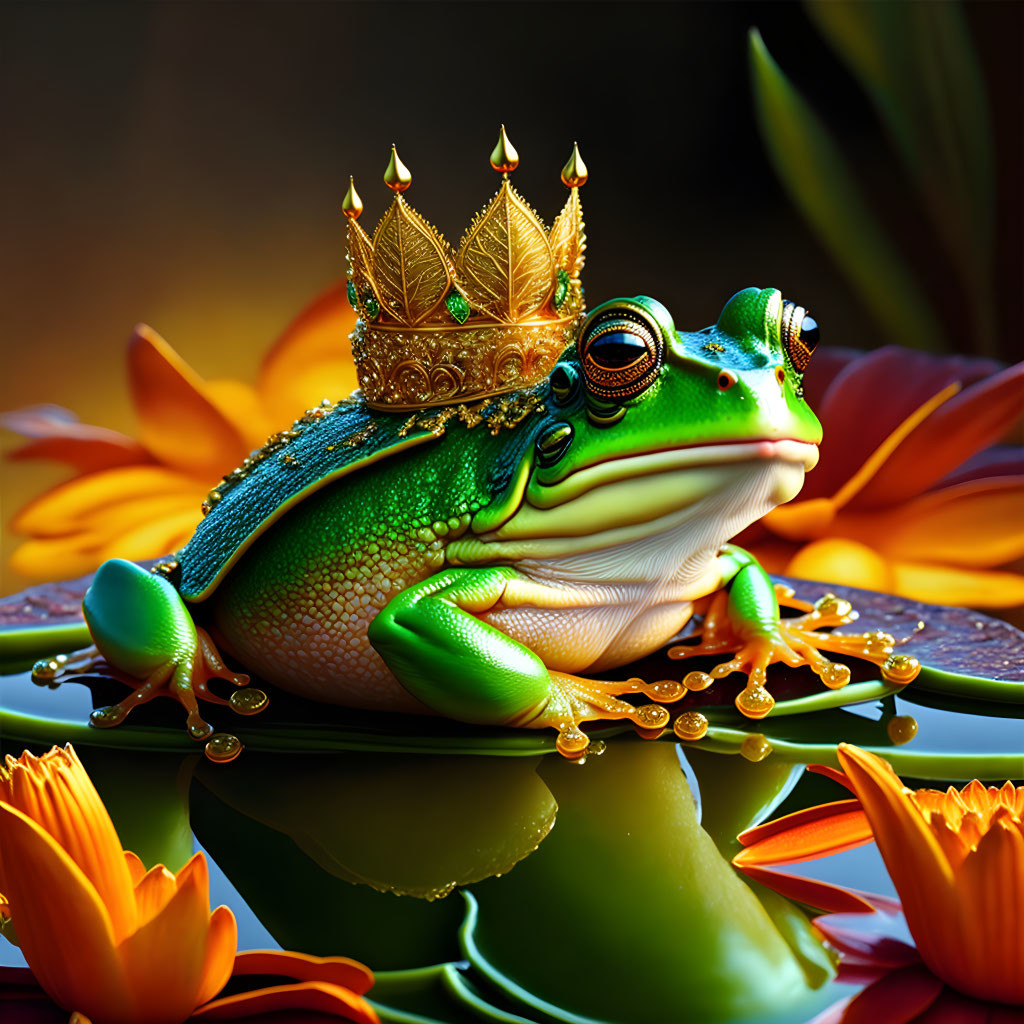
{"x": 432, "y": 638}
{"x": 144, "y": 633}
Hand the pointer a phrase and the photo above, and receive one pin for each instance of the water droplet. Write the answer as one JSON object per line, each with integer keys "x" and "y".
{"x": 755, "y": 747}
{"x": 249, "y": 701}
{"x": 697, "y": 680}
{"x": 222, "y": 747}
{"x": 834, "y": 675}
{"x": 651, "y": 716}
{"x": 690, "y": 725}
{"x": 755, "y": 702}
{"x": 901, "y": 729}
{"x": 900, "y": 668}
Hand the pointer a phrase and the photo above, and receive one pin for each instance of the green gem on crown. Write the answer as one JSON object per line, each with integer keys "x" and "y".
{"x": 372, "y": 307}
{"x": 353, "y": 295}
{"x": 458, "y": 307}
{"x": 561, "y": 288}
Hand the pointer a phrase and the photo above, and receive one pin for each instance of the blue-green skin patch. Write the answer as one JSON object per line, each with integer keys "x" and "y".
{"x": 376, "y": 538}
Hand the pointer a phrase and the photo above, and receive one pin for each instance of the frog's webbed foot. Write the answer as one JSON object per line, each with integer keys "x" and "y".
{"x": 53, "y": 671}
{"x": 187, "y": 681}
{"x": 573, "y": 700}
{"x": 793, "y": 641}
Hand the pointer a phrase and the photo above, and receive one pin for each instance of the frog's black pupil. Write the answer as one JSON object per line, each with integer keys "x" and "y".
{"x": 809, "y": 333}
{"x": 617, "y": 349}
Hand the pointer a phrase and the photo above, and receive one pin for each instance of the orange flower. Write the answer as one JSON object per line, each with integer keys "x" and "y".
{"x": 109, "y": 940}
{"x": 139, "y": 499}
{"x": 956, "y": 859}
{"x": 904, "y": 499}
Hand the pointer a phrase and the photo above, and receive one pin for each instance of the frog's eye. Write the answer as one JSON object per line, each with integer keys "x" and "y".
{"x": 621, "y": 351}
{"x": 799, "y": 335}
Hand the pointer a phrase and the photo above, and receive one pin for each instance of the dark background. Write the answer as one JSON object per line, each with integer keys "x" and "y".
{"x": 184, "y": 163}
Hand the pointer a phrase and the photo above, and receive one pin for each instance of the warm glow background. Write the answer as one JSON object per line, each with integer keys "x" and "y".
{"x": 183, "y": 164}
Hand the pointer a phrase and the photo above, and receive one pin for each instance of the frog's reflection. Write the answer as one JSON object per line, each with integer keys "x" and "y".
{"x": 624, "y": 909}
{"x": 412, "y": 825}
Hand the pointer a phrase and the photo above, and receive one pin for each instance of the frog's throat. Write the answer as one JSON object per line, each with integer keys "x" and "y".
{"x": 706, "y": 504}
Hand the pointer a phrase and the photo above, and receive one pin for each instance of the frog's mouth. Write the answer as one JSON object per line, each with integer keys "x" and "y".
{"x": 670, "y": 460}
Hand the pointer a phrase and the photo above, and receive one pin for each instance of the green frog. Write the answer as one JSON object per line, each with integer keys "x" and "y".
{"x": 491, "y": 563}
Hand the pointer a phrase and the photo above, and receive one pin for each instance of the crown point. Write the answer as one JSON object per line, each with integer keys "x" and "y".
{"x": 574, "y": 173}
{"x": 397, "y": 177}
{"x": 352, "y": 205}
{"x": 504, "y": 157}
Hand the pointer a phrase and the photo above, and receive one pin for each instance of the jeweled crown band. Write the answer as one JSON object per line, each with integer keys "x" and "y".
{"x": 438, "y": 327}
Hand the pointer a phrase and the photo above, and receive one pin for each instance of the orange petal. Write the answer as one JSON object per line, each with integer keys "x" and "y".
{"x": 802, "y": 520}
{"x": 897, "y": 998}
{"x": 336, "y": 970}
{"x": 159, "y": 536}
{"x": 945, "y": 584}
{"x": 831, "y": 898}
{"x": 136, "y": 869}
{"x": 153, "y": 892}
{"x": 165, "y": 959}
{"x": 912, "y": 854}
{"x": 976, "y": 524}
{"x": 220, "y": 954}
{"x": 314, "y": 996}
{"x": 56, "y": 792}
{"x": 55, "y": 557}
{"x": 68, "y": 507}
{"x": 980, "y": 416}
{"x": 980, "y": 950}
{"x": 311, "y": 360}
{"x": 179, "y": 422}
{"x": 839, "y": 558}
{"x": 63, "y": 929}
{"x": 806, "y": 835}
{"x": 240, "y": 404}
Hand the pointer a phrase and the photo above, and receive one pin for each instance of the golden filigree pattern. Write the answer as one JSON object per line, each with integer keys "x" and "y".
{"x": 409, "y": 369}
{"x": 568, "y": 237}
{"x": 411, "y": 264}
{"x": 505, "y": 266}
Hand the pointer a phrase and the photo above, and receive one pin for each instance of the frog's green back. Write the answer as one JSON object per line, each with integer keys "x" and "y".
{"x": 321, "y": 447}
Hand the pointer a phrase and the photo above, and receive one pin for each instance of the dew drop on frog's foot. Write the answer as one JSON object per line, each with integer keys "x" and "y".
{"x": 667, "y": 690}
{"x": 900, "y": 668}
{"x": 248, "y": 701}
{"x": 697, "y": 680}
{"x": 572, "y": 741}
{"x": 690, "y": 725}
{"x": 105, "y": 718}
{"x": 755, "y": 747}
{"x": 834, "y": 675}
{"x": 651, "y": 716}
{"x": 755, "y": 701}
{"x": 222, "y": 747}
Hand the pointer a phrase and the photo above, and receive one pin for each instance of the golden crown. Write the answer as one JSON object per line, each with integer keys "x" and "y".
{"x": 438, "y": 327}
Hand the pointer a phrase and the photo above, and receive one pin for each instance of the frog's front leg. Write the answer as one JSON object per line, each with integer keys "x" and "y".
{"x": 433, "y": 640}
{"x": 743, "y": 620}
{"x": 143, "y": 631}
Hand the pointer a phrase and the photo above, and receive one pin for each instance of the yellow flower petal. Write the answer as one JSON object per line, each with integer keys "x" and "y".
{"x": 153, "y": 892}
{"x": 838, "y": 558}
{"x": 179, "y": 422}
{"x": 240, "y": 404}
{"x": 55, "y": 557}
{"x": 67, "y": 507}
{"x": 63, "y": 929}
{"x": 164, "y": 535}
{"x": 945, "y": 584}
{"x": 136, "y": 869}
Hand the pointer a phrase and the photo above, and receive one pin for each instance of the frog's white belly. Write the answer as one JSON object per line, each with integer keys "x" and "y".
{"x": 597, "y": 609}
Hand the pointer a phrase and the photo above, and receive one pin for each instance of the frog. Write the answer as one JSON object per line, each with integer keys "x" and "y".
{"x": 495, "y": 566}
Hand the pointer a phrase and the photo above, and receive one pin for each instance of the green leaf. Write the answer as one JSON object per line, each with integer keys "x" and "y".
{"x": 819, "y": 183}
{"x": 917, "y": 65}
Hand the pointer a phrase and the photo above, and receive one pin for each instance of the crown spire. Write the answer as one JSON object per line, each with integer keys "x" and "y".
{"x": 504, "y": 157}
{"x": 397, "y": 177}
{"x": 352, "y": 205}
{"x": 574, "y": 173}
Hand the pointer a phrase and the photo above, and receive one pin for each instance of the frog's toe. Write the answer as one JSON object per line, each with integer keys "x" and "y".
{"x": 573, "y": 700}
{"x": 52, "y": 671}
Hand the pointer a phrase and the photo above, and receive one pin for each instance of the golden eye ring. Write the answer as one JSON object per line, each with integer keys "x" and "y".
{"x": 799, "y": 335}
{"x": 726, "y": 379}
{"x": 621, "y": 352}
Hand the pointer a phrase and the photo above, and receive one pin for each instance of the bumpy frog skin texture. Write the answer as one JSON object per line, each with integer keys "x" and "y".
{"x": 489, "y": 575}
